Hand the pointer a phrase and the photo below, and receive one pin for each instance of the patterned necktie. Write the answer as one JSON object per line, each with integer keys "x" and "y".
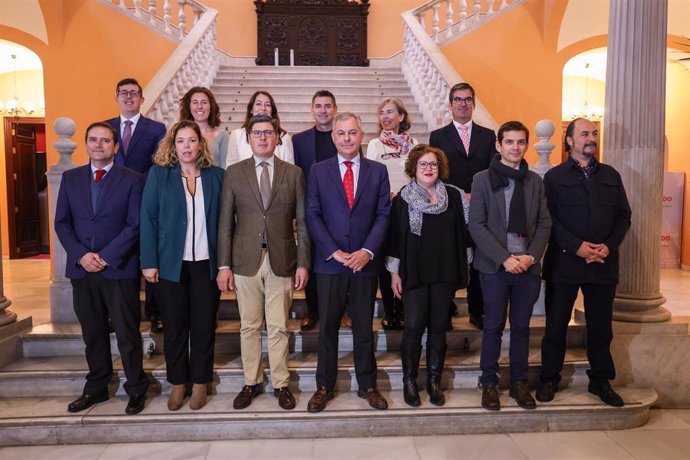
{"x": 349, "y": 184}
{"x": 265, "y": 184}
{"x": 465, "y": 137}
{"x": 99, "y": 175}
{"x": 126, "y": 135}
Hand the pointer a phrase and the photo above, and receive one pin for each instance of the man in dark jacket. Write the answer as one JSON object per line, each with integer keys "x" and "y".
{"x": 591, "y": 216}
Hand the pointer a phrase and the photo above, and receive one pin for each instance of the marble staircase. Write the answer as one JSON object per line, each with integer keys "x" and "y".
{"x": 35, "y": 390}
{"x": 356, "y": 89}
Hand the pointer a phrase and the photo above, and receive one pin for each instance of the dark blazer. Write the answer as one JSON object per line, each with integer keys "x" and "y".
{"x": 461, "y": 166}
{"x": 304, "y": 146}
{"x": 594, "y": 210}
{"x": 488, "y": 223}
{"x": 112, "y": 230}
{"x": 164, "y": 219}
{"x": 332, "y": 225}
{"x": 145, "y": 139}
{"x": 242, "y": 219}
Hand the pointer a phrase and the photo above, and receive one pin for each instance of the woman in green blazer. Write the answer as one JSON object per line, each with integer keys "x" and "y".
{"x": 179, "y": 232}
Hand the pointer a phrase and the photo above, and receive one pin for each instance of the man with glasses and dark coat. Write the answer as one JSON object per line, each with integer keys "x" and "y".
{"x": 469, "y": 148}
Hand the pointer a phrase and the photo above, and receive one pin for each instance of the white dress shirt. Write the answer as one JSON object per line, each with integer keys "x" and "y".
{"x": 196, "y": 239}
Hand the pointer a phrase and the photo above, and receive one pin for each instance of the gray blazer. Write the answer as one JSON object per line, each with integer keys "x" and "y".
{"x": 488, "y": 223}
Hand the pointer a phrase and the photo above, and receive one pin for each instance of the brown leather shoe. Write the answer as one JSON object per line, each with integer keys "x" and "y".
{"x": 176, "y": 397}
{"x": 520, "y": 393}
{"x": 346, "y": 321}
{"x": 318, "y": 401}
{"x": 246, "y": 395}
{"x": 376, "y": 399}
{"x": 308, "y": 322}
{"x": 198, "y": 399}
{"x": 285, "y": 398}
{"x": 490, "y": 400}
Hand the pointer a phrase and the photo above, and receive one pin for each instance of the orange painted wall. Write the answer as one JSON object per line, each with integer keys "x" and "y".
{"x": 513, "y": 65}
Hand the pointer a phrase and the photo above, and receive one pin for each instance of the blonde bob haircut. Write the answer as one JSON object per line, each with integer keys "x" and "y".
{"x": 166, "y": 155}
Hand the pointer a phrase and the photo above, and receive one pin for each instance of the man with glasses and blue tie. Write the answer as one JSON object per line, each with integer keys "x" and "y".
{"x": 259, "y": 256}
{"x": 138, "y": 138}
{"x": 469, "y": 148}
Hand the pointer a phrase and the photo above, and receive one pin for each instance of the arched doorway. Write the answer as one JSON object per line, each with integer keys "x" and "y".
{"x": 24, "y": 205}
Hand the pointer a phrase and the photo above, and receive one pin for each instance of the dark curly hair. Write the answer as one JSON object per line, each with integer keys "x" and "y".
{"x": 417, "y": 152}
{"x": 186, "y": 102}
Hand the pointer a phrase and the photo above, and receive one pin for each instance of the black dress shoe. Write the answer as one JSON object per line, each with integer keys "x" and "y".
{"x": 246, "y": 395}
{"x": 318, "y": 401}
{"x": 411, "y": 394}
{"x": 308, "y": 322}
{"x": 606, "y": 393}
{"x": 135, "y": 404}
{"x": 478, "y": 321}
{"x": 388, "y": 323}
{"x": 85, "y": 401}
{"x": 436, "y": 396}
{"x": 546, "y": 391}
{"x": 285, "y": 398}
{"x": 520, "y": 393}
{"x": 156, "y": 325}
{"x": 490, "y": 399}
{"x": 375, "y": 399}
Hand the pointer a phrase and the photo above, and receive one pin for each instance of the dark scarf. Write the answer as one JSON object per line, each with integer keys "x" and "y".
{"x": 498, "y": 175}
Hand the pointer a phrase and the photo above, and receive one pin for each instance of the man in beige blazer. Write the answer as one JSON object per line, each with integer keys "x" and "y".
{"x": 259, "y": 257}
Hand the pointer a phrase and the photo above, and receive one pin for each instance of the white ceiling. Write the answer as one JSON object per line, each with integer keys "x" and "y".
{"x": 26, "y": 59}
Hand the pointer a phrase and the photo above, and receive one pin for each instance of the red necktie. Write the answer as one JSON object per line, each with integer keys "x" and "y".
{"x": 349, "y": 184}
{"x": 99, "y": 175}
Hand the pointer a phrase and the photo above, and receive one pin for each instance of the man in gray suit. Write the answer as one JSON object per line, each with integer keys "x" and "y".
{"x": 510, "y": 224}
{"x": 258, "y": 255}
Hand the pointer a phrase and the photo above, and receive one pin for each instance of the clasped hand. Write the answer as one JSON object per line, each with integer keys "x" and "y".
{"x": 355, "y": 261}
{"x": 593, "y": 252}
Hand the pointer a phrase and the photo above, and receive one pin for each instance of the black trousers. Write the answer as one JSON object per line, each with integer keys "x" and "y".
{"x": 151, "y": 308}
{"x": 475, "y": 298}
{"x": 559, "y": 300}
{"x": 311, "y": 295}
{"x": 426, "y": 308}
{"x": 336, "y": 292}
{"x": 392, "y": 306}
{"x": 189, "y": 311}
{"x": 95, "y": 300}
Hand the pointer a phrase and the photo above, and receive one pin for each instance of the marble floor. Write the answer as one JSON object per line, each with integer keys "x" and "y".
{"x": 665, "y": 437}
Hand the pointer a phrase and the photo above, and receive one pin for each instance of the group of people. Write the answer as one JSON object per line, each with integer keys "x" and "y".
{"x": 263, "y": 214}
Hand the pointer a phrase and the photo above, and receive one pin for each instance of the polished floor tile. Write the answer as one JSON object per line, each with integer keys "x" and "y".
{"x": 570, "y": 446}
{"x": 384, "y": 448}
{"x": 662, "y": 419}
{"x": 468, "y": 447}
{"x": 80, "y": 452}
{"x": 656, "y": 445}
{"x": 156, "y": 451}
{"x": 262, "y": 449}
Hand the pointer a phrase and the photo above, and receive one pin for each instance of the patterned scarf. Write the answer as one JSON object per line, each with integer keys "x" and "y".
{"x": 418, "y": 203}
{"x": 401, "y": 143}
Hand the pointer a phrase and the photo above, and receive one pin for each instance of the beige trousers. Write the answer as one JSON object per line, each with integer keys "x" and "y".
{"x": 269, "y": 295}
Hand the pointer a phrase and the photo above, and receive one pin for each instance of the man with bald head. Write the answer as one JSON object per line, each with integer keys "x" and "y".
{"x": 591, "y": 215}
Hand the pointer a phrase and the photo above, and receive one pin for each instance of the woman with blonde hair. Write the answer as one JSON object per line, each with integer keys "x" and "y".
{"x": 261, "y": 103}
{"x": 178, "y": 235}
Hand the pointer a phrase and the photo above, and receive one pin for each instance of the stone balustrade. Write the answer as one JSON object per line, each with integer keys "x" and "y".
{"x": 159, "y": 14}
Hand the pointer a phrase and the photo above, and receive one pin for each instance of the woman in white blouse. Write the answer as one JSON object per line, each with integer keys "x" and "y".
{"x": 178, "y": 244}
{"x": 392, "y": 148}
{"x": 261, "y": 103}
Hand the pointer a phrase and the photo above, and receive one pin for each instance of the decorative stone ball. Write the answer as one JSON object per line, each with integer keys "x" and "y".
{"x": 64, "y": 127}
{"x": 544, "y": 128}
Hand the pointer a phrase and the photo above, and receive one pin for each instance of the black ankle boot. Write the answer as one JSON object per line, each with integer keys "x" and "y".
{"x": 411, "y": 394}
{"x": 435, "y": 360}
{"x": 436, "y": 396}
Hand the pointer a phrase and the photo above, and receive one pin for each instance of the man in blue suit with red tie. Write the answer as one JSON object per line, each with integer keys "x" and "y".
{"x": 97, "y": 222}
{"x": 348, "y": 207}
{"x": 138, "y": 138}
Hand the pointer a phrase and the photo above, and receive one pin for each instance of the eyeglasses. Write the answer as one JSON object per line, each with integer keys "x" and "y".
{"x": 124, "y": 93}
{"x": 463, "y": 100}
{"x": 258, "y": 133}
{"x": 426, "y": 164}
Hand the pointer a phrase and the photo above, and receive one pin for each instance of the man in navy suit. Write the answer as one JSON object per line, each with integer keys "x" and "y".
{"x": 138, "y": 138}
{"x": 311, "y": 146}
{"x": 469, "y": 148}
{"x": 348, "y": 207}
{"x": 97, "y": 222}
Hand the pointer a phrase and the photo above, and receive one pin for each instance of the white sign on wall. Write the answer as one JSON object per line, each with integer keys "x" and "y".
{"x": 672, "y": 219}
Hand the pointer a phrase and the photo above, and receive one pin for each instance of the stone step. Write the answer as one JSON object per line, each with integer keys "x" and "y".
{"x": 35, "y": 421}
{"x": 310, "y": 70}
{"x": 53, "y": 340}
{"x": 241, "y": 97}
{"x": 301, "y": 110}
{"x": 64, "y": 375}
{"x": 345, "y": 86}
{"x": 307, "y": 79}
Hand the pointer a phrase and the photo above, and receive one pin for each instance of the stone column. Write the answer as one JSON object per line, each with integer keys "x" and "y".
{"x": 634, "y": 128}
{"x": 61, "y": 305}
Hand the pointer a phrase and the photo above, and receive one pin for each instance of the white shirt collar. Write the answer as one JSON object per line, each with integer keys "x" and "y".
{"x": 342, "y": 159}
{"x": 258, "y": 161}
{"x": 134, "y": 119}
{"x": 107, "y": 167}
{"x": 468, "y": 124}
